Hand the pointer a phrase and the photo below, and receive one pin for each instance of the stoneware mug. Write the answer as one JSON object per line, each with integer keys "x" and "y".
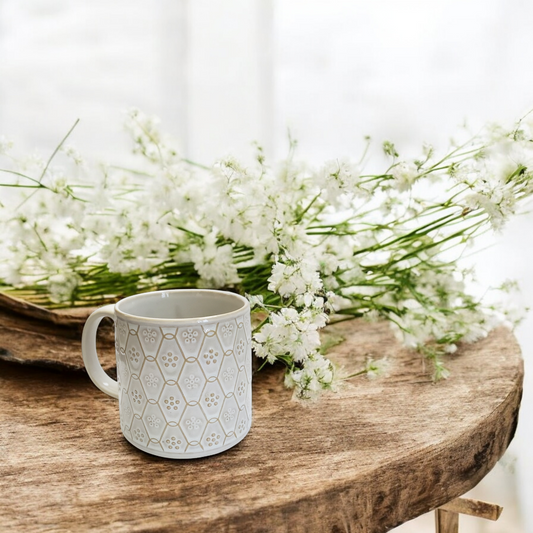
{"x": 184, "y": 370}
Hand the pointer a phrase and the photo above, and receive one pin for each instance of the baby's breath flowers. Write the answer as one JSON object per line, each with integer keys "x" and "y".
{"x": 308, "y": 246}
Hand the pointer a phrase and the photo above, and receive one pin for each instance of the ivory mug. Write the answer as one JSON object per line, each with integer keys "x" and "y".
{"x": 184, "y": 371}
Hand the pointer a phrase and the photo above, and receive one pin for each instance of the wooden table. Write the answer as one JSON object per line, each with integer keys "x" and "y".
{"x": 371, "y": 457}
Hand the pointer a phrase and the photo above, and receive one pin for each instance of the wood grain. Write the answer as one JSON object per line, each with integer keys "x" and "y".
{"x": 33, "y": 335}
{"x": 74, "y": 316}
{"x": 369, "y": 458}
{"x": 446, "y": 521}
{"x": 489, "y": 511}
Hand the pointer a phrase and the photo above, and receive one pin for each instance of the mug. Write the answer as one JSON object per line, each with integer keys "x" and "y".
{"x": 184, "y": 370}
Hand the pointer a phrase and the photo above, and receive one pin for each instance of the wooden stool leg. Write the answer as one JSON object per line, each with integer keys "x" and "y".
{"x": 447, "y": 516}
{"x": 446, "y": 521}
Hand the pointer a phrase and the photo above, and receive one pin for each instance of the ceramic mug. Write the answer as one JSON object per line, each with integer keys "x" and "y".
{"x": 184, "y": 370}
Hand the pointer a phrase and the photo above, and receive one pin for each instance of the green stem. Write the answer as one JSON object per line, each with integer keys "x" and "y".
{"x": 58, "y": 147}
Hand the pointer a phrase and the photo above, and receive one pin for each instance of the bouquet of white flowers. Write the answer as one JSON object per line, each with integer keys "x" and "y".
{"x": 308, "y": 246}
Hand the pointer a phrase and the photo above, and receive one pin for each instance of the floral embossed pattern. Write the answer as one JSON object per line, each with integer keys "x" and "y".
{"x": 212, "y": 399}
{"x": 153, "y": 421}
{"x": 240, "y": 347}
{"x": 136, "y": 396}
{"x": 173, "y": 443}
{"x": 227, "y": 330}
{"x": 229, "y": 374}
{"x": 213, "y": 439}
{"x": 122, "y": 328}
{"x": 211, "y": 356}
{"x": 190, "y": 336}
{"x": 151, "y": 380}
{"x": 134, "y": 355}
{"x": 184, "y": 391}
{"x": 149, "y": 335}
{"x": 192, "y": 382}
{"x": 229, "y": 415}
{"x": 138, "y": 435}
{"x": 170, "y": 360}
{"x": 193, "y": 423}
{"x": 172, "y": 403}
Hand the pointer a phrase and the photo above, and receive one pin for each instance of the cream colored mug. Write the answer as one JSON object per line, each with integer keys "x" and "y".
{"x": 184, "y": 370}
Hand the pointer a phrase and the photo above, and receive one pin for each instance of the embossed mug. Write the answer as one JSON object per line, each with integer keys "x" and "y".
{"x": 184, "y": 370}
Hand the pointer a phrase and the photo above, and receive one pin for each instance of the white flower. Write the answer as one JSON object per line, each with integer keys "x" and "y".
{"x": 497, "y": 179}
{"x": 316, "y": 375}
{"x": 307, "y": 243}
{"x": 5, "y": 145}
{"x": 292, "y": 239}
{"x": 73, "y": 154}
{"x": 255, "y": 301}
{"x": 137, "y": 240}
{"x": 377, "y": 367}
{"x": 214, "y": 263}
{"x": 329, "y": 263}
{"x": 339, "y": 180}
{"x": 148, "y": 139}
{"x": 404, "y": 174}
{"x": 336, "y": 303}
{"x": 296, "y": 278}
{"x": 62, "y": 286}
{"x": 498, "y": 202}
{"x": 289, "y": 332}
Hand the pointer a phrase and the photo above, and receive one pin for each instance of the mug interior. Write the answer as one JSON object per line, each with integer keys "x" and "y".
{"x": 181, "y": 304}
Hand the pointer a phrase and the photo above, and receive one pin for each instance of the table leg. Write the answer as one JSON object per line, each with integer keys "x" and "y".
{"x": 446, "y": 521}
{"x": 447, "y": 516}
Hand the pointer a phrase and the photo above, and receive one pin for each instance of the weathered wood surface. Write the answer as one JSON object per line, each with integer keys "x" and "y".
{"x": 365, "y": 460}
{"x": 446, "y": 521}
{"x": 73, "y": 316}
{"x": 489, "y": 511}
{"x": 33, "y": 335}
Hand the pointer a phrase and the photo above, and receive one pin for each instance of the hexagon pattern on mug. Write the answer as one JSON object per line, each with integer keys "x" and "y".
{"x": 187, "y": 389}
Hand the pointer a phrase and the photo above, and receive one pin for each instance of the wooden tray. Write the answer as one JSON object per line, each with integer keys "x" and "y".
{"x": 371, "y": 457}
{"x": 30, "y": 334}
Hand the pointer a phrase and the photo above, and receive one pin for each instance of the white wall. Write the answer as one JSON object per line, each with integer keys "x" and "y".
{"x": 203, "y": 67}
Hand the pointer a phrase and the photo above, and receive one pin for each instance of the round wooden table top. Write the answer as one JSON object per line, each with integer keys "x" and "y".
{"x": 366, "y": 459}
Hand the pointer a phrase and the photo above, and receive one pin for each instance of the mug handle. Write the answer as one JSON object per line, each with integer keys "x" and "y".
{"x": 88, "y": 350}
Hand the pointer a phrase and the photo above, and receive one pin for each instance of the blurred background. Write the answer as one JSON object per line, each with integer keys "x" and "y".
{"x": 224, "y": 73}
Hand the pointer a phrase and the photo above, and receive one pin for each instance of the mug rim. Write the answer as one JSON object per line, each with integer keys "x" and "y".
{"x": 202, "y": 319}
